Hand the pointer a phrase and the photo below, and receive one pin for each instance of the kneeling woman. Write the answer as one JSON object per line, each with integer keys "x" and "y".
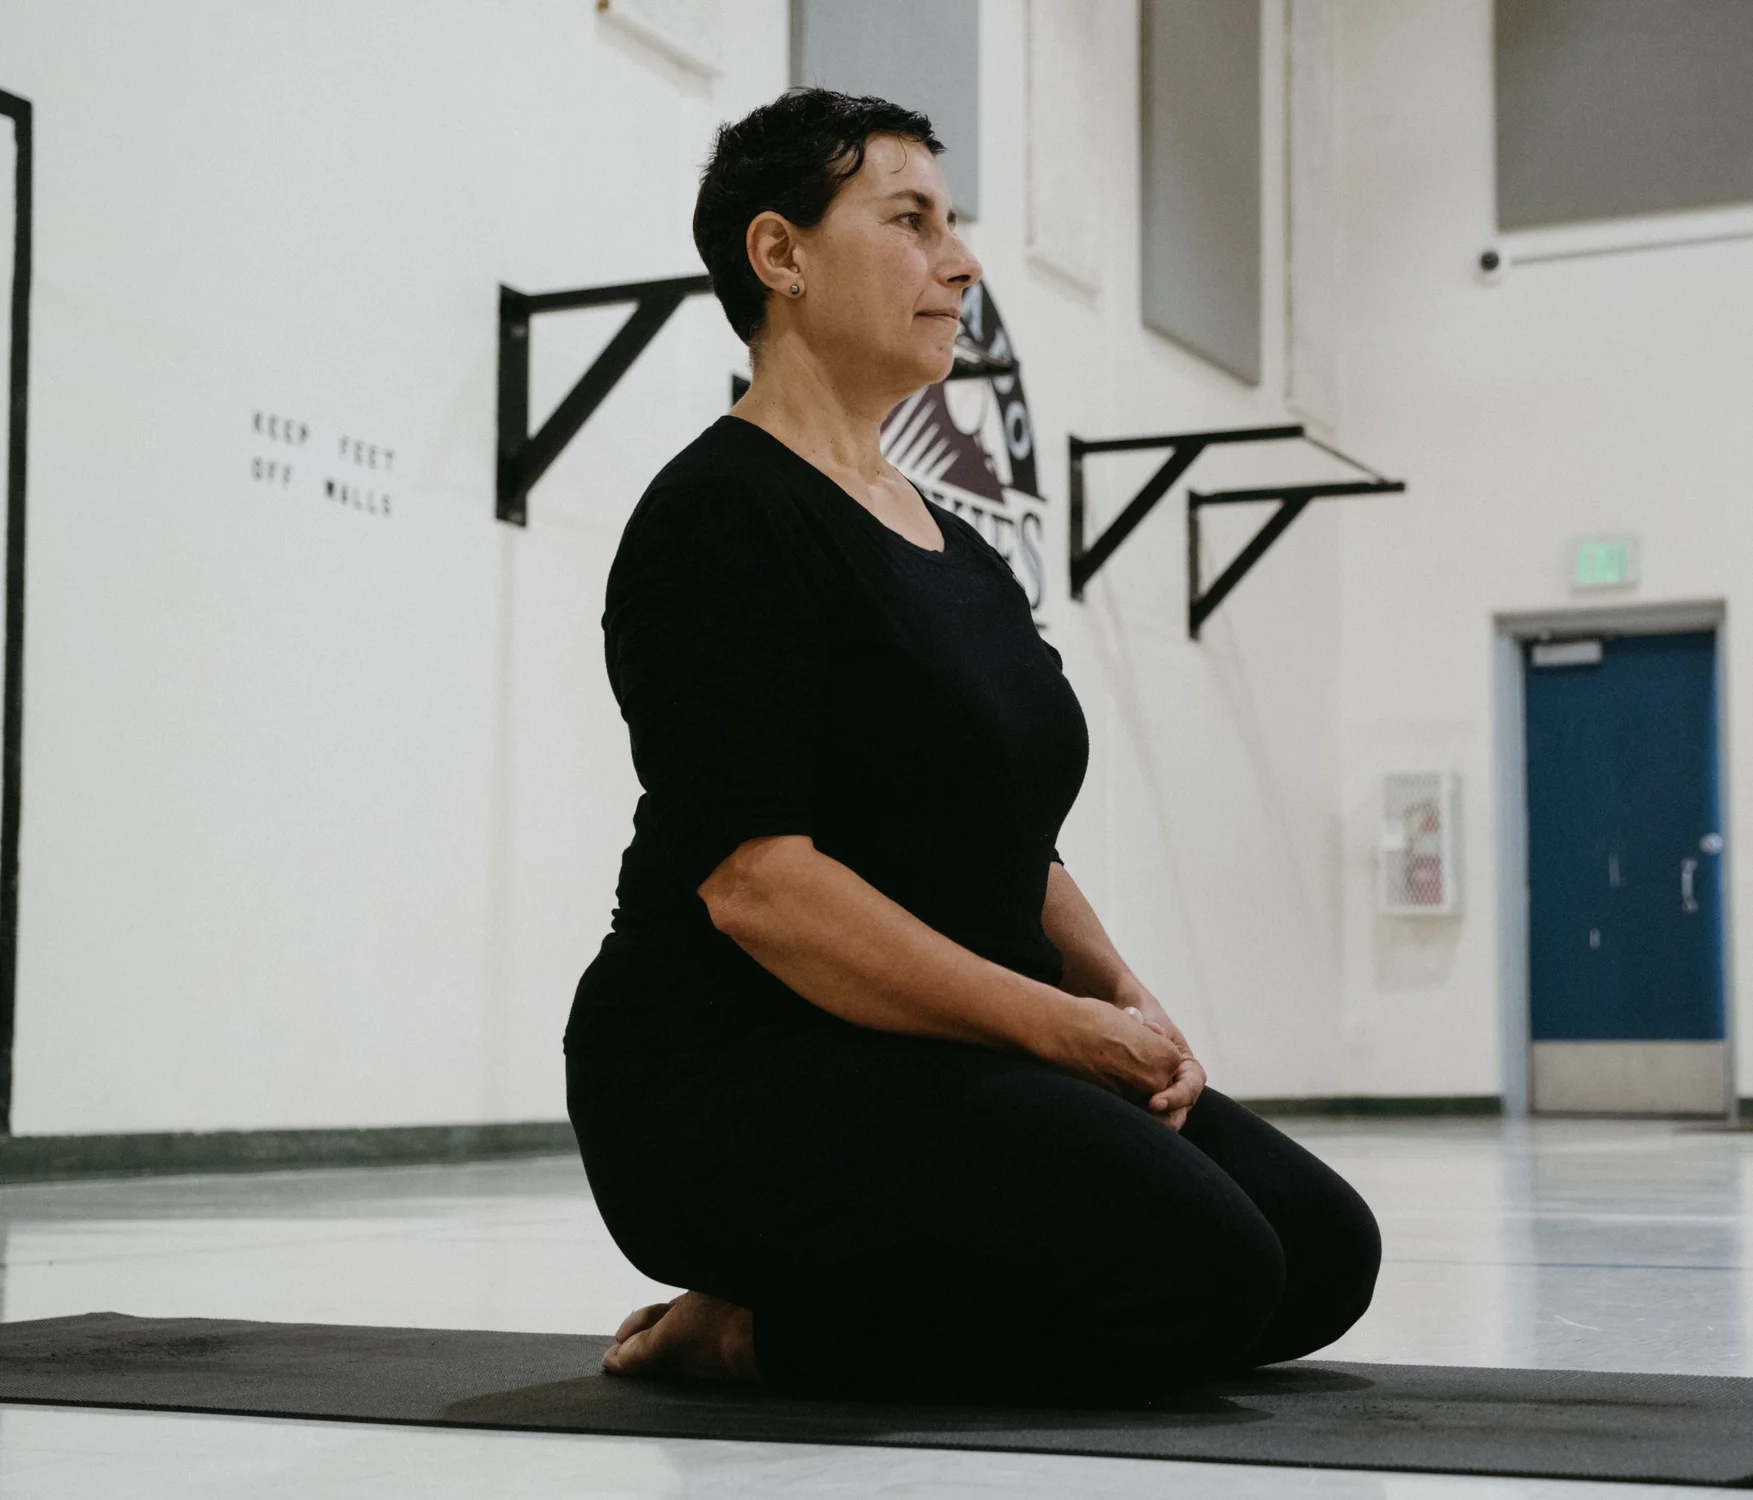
{"x": 857, "y": 1063}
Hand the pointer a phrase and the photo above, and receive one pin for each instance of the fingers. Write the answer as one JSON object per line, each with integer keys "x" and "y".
{"x": 1116, "y": 1048}
{"x": 1185, "y": 1083}
{"x": 1170, "y": 1035}
{"x": 1141, "y": 1060}
{"x": 1183, "y": 1091}
{"x": 1173, "y": 1118}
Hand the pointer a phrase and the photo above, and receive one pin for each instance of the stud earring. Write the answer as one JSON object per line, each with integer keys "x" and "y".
{"x": 795, "y": 289}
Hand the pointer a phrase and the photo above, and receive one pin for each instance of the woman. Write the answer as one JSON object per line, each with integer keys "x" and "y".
{"x": 857, "y": 1063}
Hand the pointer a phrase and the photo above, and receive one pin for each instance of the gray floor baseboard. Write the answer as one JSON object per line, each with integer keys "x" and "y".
{"x": 48, "y": 1158}
{"x": 51, "y": 1158}
{"x": 1379, "y": 1105}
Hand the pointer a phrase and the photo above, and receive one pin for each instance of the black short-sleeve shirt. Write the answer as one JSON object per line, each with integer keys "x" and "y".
{"x": 787, "y": 664}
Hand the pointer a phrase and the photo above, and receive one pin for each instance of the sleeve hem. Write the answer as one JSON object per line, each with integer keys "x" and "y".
{"x": 712, "y": 848}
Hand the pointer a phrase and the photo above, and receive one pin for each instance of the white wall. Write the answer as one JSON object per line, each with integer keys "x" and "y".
{"x": 322, "y": 808}
{"x": 1205, "y": 834}
{"x": 1601, "y": 395}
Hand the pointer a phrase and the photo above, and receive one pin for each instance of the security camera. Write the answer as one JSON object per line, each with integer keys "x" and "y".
{"x": 1491, "y": 267}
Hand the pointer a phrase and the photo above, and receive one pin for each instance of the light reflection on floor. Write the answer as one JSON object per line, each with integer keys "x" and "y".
{"x": 1588, "y": 1244}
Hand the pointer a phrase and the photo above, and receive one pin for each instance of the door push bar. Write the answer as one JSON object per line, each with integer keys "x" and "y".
{"x": 1184, "y": 448}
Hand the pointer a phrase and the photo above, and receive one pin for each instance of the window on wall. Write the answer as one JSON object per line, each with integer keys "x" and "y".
{"x": 924, "y": 54}
{"x": 1065, "y": 166}
{"x": 1200, "y": 209}
{"x": 1608, "y": 108}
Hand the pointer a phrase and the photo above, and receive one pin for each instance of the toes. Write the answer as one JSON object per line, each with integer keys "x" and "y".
{"x": 639, "y": 1320}
{"x": 631, "y": 1346}
{"x": 631, "y": 1354}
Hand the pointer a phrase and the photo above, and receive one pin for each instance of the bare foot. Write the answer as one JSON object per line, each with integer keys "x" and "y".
{"x": 696, "y": 1337}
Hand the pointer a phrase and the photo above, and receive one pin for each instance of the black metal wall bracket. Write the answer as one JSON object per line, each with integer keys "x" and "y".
{"x": 525, "y": 456}
{"x": 1184, "y": 448}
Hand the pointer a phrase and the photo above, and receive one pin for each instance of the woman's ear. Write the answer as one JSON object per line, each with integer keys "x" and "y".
{"x": 774, "y": 251}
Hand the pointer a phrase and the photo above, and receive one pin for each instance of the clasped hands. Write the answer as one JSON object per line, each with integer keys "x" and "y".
{"x": 1188, "y": 1079}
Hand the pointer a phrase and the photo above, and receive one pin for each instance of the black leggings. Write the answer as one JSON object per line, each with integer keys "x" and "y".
{"x": 924, "y": 1220}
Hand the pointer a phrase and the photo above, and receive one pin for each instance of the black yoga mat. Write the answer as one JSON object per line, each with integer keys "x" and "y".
{"x": 1569, "y": 1424}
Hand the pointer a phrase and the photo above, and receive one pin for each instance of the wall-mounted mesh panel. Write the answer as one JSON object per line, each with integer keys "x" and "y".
{"x": 1420, "y": 873}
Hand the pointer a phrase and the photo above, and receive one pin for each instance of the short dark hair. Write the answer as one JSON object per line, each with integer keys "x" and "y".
{"x": 790, "y": 156}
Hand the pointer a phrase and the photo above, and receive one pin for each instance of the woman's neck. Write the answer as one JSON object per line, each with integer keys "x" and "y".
{"x": 798, "y": 399}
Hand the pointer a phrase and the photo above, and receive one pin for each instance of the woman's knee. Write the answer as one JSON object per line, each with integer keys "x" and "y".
{"x": 1330, "y": 1238}
{"x": 1341, "y": 1244}
{"x": 1353, "y": 1259}
{"x": 1332, "y": 1280}
{"x": 1213, "y": 1287}
{"x": 1237, "y": 1290}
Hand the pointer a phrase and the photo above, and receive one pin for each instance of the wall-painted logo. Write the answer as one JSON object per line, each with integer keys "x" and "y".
{"x": 969, "y": 444}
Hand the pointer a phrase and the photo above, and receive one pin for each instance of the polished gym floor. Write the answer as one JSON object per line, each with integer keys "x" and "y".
{"x": 1611, "y": 1245}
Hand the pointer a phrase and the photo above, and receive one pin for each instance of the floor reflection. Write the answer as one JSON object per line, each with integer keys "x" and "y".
{"x": 1589, "y": 1244}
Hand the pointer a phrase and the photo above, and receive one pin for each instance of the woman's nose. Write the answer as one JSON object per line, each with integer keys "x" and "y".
{"x": 964, "y": 270}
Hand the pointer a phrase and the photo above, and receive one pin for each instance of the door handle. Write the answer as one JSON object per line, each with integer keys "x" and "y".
{"x": 1688, "y": 899}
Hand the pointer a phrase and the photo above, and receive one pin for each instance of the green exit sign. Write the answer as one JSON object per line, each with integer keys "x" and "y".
{"x": 1604, "y": 562}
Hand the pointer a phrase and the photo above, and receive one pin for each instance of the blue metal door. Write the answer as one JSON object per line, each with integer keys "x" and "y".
{"x": 1625, "y": 912}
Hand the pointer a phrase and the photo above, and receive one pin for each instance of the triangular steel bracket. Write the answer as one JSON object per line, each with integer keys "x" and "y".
{"x": 525, "y": 456}
{"x": 1184, "y": 448}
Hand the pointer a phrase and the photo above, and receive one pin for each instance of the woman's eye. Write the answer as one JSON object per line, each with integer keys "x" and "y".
{"x": 915, "y": 219}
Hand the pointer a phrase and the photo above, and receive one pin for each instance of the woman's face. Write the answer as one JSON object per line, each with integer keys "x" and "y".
{"x": 884, "y": 272}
